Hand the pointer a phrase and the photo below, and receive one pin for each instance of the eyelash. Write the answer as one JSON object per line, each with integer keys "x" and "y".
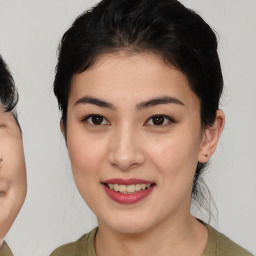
{"x": 89, "y": 117}
{"x": 166, "y": 120}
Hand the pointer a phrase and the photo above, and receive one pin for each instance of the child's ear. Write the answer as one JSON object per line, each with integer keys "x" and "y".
{"x": 210, "y": 137}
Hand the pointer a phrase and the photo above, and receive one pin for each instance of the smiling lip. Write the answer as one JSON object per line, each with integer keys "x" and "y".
{"x": 4, "y": 186}
{"x": 128, "y": 198}
{"x": 127, "y": 182}
{"x": 2, "y": 193}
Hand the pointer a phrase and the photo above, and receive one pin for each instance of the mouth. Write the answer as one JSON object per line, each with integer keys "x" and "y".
{"x": 128, "y": 191}
{"x": 4, "y": 187}
{"x": 2, "y": 193}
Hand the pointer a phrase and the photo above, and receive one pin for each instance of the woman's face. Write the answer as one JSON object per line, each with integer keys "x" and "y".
{"x": 13, "y": 184}
{"x": 134, "y": 139}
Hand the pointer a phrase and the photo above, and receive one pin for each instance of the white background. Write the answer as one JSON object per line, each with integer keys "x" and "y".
{"x": 53, "y": 212}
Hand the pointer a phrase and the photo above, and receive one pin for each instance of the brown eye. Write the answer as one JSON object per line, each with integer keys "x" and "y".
{"x": 159, "y": 120}
{"x": 96, "y": 120}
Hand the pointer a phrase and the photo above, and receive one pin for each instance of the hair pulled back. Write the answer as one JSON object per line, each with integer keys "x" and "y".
{"x": 165, "y": 27}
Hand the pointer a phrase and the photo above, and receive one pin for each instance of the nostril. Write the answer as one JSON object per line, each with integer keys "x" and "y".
{"x": 126, "y": 160}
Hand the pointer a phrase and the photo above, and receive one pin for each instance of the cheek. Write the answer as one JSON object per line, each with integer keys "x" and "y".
{"x": 20, "y": 166}
{"x": 87, "y": 157}
{"x": 14, "y": 162}
{"x": 176, "y": 154}
{"x": 175, "y": 159}
{"x": 19, "y": 178}
{"x": 13, "y": 172}
{"x": 86, "y": 154}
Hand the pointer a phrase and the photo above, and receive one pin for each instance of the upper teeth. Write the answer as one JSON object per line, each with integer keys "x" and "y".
{"x": 128, "y": 189}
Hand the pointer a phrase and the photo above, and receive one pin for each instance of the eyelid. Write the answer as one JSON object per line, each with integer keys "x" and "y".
{"x": 169, "y": 118}
{"x": 85, "y": 119}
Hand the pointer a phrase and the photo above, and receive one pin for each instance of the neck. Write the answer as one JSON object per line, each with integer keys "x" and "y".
{"x": 178, "y": 236}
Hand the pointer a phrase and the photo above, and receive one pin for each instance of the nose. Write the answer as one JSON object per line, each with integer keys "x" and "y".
{"x": 126, "y": 151}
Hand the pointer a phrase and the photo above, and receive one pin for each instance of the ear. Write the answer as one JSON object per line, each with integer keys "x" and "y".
{"x": 210, "y": 137}
{"x": 62, "y": 128}
{"x": 63, "y": 131}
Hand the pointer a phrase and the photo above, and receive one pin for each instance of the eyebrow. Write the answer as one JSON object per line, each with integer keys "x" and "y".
{"x": 140, "y": 106}
{"x": 159, "y": 101}
{"x": 94, "y": 101}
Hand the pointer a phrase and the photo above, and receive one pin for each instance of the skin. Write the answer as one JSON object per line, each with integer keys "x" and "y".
{"x": 13, "y": 185}
{"x": 127, "y": 144}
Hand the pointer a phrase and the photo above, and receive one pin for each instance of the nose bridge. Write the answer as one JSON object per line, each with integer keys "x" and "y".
{"x": 125, "y": 150}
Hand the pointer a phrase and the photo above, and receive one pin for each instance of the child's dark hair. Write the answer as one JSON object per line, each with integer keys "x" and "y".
{"x": 8, "y": 93}
{"x": 165, "y": 27}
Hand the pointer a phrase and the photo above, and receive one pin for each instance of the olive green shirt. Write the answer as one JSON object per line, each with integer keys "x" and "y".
{"x": 217, "y": 245}
{"x": 5, "y": 250}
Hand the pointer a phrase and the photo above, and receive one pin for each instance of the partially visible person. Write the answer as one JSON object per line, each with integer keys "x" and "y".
{"x": 13, "y": 184}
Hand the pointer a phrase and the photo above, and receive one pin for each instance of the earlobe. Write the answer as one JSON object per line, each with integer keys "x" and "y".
{"x": 210, "y": 137}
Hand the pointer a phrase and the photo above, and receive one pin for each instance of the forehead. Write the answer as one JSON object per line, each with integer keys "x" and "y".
{"x": 135, "y": 76}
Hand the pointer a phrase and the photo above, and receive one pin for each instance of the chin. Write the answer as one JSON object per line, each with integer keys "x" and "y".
{"x": 6, "y": 221}
{"x": 127, "y": 225}
{"x": 129, "y": 228}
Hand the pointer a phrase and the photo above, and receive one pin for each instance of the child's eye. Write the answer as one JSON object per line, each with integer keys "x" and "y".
{"x": 159, "y": 120}
{"x": 96, "y": 120}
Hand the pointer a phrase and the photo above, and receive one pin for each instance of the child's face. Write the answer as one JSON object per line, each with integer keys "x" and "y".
{"x": 13, "y": 185}
{"x": 133, "y": 121}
